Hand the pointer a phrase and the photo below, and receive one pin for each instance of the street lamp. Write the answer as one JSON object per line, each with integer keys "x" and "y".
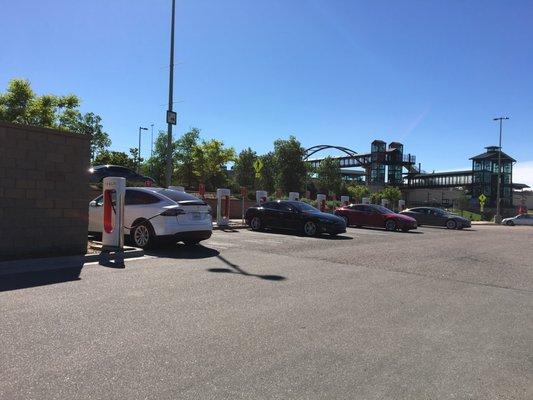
{"x": 139, "y": 149}
{"x": 498, "y": 216}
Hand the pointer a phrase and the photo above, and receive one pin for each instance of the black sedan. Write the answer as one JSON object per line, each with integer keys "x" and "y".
{"x": 99, "y": 172}
{"x": 437, "y": 217}
{"x": 294, "y": 216}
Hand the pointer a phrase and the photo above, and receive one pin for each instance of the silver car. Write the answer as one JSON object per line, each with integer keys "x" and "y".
{"x": 522, "y": 219}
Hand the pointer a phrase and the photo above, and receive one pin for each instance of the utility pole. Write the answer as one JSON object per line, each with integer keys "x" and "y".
{"x": 152, "y": 142}
{"x": 139, "y": 149}
{"x": 168, "y": 174}
{"x": 498, "y": 216}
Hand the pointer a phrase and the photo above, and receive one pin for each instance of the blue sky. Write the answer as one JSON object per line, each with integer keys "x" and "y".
{"x": 431, "y": 74}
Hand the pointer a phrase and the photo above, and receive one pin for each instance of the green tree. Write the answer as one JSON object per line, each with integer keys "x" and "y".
{"x": 358, "y": 192}
{"x": 210, "y": 160}
{"x": 244, "y": 168}
{"x": 19, "y": 104}
{"x": 155, "y": 166}
{"x": 462, "y": 202}
{"x": 329, "y": 176}
{"x": 184, "y": 155}
{"x": 267, "y": 181}
{"x": 375, "y": 198}
{"x": 393, "y": 194}
{"x": 291, "y": 169}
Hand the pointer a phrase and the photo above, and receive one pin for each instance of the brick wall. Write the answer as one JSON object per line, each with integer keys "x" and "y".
{"x": 43, "y": 192}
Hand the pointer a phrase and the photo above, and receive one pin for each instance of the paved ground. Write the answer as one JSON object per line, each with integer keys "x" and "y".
{"x": 369, "y": 315}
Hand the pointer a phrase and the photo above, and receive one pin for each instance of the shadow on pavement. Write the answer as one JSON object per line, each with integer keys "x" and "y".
{"x": 294, "y": 233}
{"x": 371, "y": 228}
{"x": 38, "y": 278}
{"x": 182, "y": 251}
{"x": 238, "y": 270}
{"x": 443, "y": 228}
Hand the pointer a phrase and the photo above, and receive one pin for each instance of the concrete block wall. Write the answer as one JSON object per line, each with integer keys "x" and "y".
{"x": 43, "y": 192}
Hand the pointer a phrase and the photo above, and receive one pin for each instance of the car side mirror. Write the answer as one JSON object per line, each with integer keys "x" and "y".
{"x": 93, "y": 204}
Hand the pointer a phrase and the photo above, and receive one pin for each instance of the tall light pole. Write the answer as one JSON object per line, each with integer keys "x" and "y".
{"x": 139, "y": 149}
{"x": 168, "y": 174}
{"x": 498, "y": 216}
{"x": 152, "y": 142}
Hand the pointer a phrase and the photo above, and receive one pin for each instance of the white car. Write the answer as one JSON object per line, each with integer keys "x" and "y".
{"x": 158, "y": 213}
{"x": 522, "y": 219}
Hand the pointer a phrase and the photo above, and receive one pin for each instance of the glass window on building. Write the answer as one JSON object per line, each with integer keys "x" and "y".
{"x": 507, "y": 167}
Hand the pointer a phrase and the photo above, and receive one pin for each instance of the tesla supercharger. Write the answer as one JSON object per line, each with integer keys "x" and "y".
{"x": 177, "y": 188}
{"x": 294, "y": 196}
{"x": 365, "y": 200}
{"x": 261, "y": 196}
{"x": 385, "y": 202}
{"x": 401, "y": 205}
{"x": 345, "y": 200}
{"x": 223, "y": 205}
{"x": 114, "y": 190}
{"x": 321, "y": 202}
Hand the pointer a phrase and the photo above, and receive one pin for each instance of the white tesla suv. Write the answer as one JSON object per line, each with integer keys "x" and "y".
{"x": 151, "y": 214}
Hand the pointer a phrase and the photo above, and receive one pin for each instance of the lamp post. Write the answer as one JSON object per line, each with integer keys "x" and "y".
{"x": 498, "y": 216}
{"x": 168, "y": 172}
{"x": 139, "y": 149}
{"x": 152, "y": 142}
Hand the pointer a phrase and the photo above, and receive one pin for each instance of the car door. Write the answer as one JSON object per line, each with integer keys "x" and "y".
{"x": 140, "y": 204}
{"x": 374, "y": 217}
{"x": 529, "y": 219}
{"x": 269, "y": 215}
{"x": 290, "y": 216}
{"x": 356, "y": 215}
{"x": 435, "y": 217}
{"x": 420, "y": 214}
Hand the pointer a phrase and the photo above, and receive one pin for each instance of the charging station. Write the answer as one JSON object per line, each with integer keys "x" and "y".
{"x": 321, "y": 201}
{"x": 365, "y": 200}
{"x": 294, "y": 196}
{"x": 345, "y": 200}
{"x": 401, "y": 205}
{"x": 114, "y": 190}
{"x": 385, "y": 202}
{"x": 223, "y": 206}
{"x": 261, "y": 196}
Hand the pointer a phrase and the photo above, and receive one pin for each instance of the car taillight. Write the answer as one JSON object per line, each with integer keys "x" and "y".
{"x": 172, "y": 212}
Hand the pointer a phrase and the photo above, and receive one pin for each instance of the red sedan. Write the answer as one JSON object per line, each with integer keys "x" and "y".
{"x": 374, "y": 215}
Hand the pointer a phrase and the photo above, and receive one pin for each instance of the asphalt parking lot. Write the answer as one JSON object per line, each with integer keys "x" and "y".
{"x": 432, "y": 314}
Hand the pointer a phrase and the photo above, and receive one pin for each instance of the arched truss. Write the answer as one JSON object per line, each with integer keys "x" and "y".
{"x": 315, "y": 149}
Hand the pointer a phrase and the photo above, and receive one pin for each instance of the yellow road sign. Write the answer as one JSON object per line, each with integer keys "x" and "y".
{"x": 482, "y": 198}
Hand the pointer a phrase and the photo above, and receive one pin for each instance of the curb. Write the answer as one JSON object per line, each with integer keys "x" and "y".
{"x": 53, "y": 263}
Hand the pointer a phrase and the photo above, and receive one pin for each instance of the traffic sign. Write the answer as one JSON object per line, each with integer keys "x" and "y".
{"x": 171, "y": 117}
{"x": 258, "y": 166}
{"x": 482, "y": 198}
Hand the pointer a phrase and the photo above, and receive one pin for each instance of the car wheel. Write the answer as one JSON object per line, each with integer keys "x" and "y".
{"x": 143, "y": 235}
{"x": 346, "y": 220}
{"x": 510, "y": 223}
{"x": 310, "y": 228}
{"x": 256, "y": 224}
{"x": 390, "y": 225}
{"x": 451, "y": 224}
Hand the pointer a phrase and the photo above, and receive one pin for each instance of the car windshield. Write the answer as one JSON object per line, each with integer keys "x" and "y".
{"x": 382, "y": 210}
{"x": 304, "y": 207}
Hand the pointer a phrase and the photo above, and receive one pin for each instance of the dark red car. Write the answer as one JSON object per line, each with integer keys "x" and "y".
{"x": 374, "y": 215}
